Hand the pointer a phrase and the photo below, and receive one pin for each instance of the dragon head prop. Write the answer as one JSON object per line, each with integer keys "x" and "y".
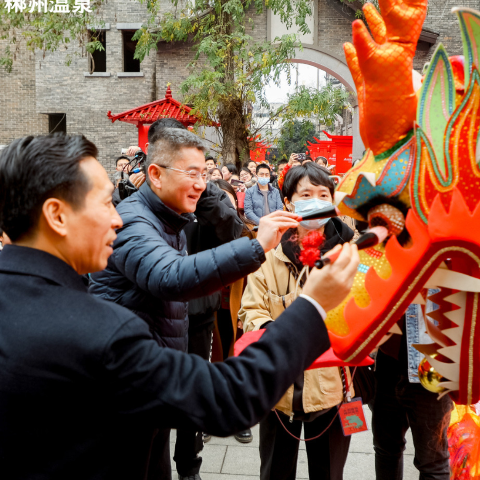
{"x": 419, "y": 177}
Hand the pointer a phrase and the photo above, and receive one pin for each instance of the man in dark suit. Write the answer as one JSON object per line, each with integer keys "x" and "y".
{"x": 82, "y": 380}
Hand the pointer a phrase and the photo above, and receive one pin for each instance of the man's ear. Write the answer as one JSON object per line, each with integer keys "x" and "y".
{"x": 55, "y": 216}
{"x": 146, "y": 148}
{"x": 288, "y": 204}
{"x": 155, "y": 175}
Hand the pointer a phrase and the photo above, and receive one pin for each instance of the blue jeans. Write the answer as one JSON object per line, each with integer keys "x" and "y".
{"x": 415, "y": 330}
{"x": 399, "y": 405}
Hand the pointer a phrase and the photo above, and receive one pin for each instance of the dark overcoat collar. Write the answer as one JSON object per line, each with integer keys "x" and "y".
{"x": 31, "y": 261}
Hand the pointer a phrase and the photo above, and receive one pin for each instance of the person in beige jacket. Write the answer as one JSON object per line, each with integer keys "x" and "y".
{"x": 312, "y": 401}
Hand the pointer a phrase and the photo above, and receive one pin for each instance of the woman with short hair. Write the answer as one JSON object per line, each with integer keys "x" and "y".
{"x": 322, "y": 161}
{"x": 247, "y": 177}
{"x": 215, "y": 174}
{"x": 312, "y": 401}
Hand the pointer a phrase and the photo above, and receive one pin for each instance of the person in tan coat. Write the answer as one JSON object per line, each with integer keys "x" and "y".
{"x": 312, "y": 401}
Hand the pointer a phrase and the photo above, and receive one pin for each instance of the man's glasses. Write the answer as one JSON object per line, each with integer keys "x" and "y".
{"x": 193, "y": 174}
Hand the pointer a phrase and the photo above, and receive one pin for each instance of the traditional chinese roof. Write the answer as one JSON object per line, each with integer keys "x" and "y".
{"x": 167, "y": 107}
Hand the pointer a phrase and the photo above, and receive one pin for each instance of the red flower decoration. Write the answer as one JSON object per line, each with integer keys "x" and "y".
{"x": 313, "y": 240}
{"x": 309, "y": 256}
{"x": 281, "y": 177}
{"x": 311, "y": 248}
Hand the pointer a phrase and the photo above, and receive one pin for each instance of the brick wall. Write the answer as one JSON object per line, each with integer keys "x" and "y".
{"x": 171, "y": 67}
{"x": 87, "y": 99}
{"x": 18, "y": 115}
{"x": 440, "y": 19}
{"x": 40, "y": 85}
{"x": 333, "y": 30}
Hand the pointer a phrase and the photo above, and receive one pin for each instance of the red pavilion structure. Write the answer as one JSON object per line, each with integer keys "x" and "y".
{"x": 337, "y": 150}
{"x": 168, "y": 107}
{"x": 145, "y": 115}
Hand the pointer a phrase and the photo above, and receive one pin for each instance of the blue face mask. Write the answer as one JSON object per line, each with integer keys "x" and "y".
{"x": 263, "y": 181}
{"x": 302, "y": 207}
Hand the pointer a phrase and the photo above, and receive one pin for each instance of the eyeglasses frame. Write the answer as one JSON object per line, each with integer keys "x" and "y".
{"x": 196, "y": 175}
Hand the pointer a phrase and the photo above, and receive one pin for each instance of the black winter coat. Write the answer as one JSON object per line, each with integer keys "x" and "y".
{"x": 150, "y": 273}
{"x": 83, "y": 383}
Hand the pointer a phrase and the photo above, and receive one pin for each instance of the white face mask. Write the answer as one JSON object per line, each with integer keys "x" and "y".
{"x": 303, "y": 207}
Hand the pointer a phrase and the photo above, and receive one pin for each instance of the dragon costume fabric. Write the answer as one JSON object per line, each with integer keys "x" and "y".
{"x": 420, "y": 178}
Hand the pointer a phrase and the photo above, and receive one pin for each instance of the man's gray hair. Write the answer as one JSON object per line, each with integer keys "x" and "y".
{"x": 168, "y": 142}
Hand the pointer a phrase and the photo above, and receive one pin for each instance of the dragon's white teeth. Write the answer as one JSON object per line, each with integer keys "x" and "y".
{"x": 338, "y": 197}
{"x": 458, "y": 316}
{"x": 370, "y": 177}
{"x": 454, "y": 280}
{"x": 447, "y": 370}
{"x": 455, "y": 317}
{"x": 384, "y": 339}
{"x": 459, "y": 299}
{"x": 450, "y": 371}
{"x": 454, "y": 334}
{"x": 433, "y": 333}
{"x": 419, "y": 300}
{"x": 451, "y": 386}
{"x": 452, "y": 353}
{"x": 395, "y": 329}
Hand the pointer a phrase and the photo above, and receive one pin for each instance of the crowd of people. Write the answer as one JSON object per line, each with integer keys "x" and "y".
{"x": 193, "y": 255}
{"x": 256, "y": 184}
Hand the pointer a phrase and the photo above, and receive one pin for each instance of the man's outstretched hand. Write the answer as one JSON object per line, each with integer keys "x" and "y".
{"x": 331, "y": 284}
{"x": 273, "y": 226}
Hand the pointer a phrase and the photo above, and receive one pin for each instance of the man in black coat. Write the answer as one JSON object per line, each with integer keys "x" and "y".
{"x": 150, "y": 271}
{"x": 83, "y": 382}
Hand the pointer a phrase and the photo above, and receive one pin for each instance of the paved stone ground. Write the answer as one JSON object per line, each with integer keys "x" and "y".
{"x": 226, "y": 459}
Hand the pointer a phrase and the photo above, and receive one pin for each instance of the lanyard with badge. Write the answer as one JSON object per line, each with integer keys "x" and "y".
{"x": 350, "y": 411}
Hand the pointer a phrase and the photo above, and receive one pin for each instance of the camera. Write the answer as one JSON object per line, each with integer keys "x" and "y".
{"x": 137, "y": 164}
{"x": 236, "y": 182}
{"x": 301, "y": 156}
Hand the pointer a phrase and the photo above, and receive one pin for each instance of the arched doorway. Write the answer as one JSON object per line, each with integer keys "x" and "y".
{"x": 327, "y": 63}
{"x": 340, "y": 71}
